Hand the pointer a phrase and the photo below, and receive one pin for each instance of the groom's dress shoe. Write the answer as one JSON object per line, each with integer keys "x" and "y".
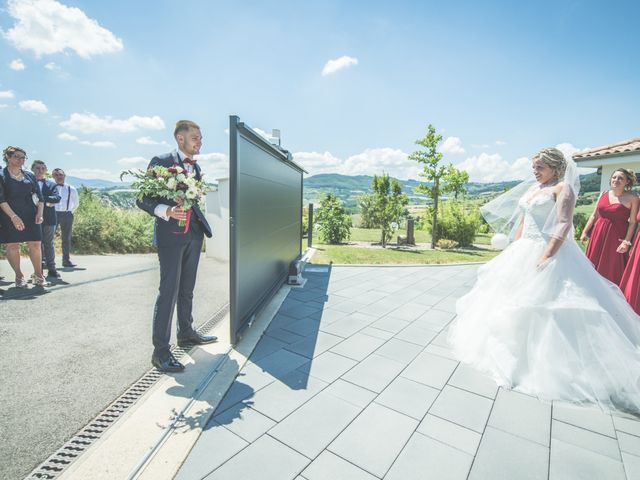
{"x": 196, "y": 339}
{"x": 167, "y": 365}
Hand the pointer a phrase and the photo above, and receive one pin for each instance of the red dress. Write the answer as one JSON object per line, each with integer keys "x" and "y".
{"x": 630, "y": 284}
{"x": 610, "y": 228}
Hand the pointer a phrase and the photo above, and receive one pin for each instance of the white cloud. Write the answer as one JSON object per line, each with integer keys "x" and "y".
{"x": 333, "y": 66}
{"x": 93, "y": 173}
{"x": 315, "y": 162}
{"x": 98, "y": 144}
{"x": 47, "y": 27}
{"x": 493, "y": 168}
{"x": 452, "y": 145}
{"x": 51, "y": 66}
{"x": 133, "y": 162}
{"x": 68, "y": 153}
{"x": 372, "y": 161}
{"x": 500, "y": 143}
{"x": 3, "y": 105}
{"x": 214, "y": 165}
{"x": 67, "y": 137}
{"x": 91, "y": 123}
{"x": 150, "y": 141}
{"x": 480, "y": 145}
{"x": 569, "y": 150}
{"x": 33, "y": 106}
{"x": 7, "y": 94}
{"x": 17, "y": 65}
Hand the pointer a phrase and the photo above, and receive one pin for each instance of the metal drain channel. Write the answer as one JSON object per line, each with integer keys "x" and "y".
{"x": 139, "y": 469}
{"x": 81, "y": 441}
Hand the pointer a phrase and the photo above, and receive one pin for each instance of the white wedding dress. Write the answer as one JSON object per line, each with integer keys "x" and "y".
{"x": 559, "y": 333}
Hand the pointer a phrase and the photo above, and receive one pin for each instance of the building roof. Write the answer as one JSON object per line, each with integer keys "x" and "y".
{"x": 627, "y": 146}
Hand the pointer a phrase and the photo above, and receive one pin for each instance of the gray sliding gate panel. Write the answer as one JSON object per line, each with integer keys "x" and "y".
{"x": 265, "y": 200}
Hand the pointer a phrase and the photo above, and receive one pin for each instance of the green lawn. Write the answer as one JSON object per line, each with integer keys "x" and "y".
{"x": 344, "y": 254}
{"x": 422, "y": 236}
{"x": 586, "y": 209}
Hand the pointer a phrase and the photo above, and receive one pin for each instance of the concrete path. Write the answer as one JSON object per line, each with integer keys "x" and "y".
{"x": 353, "y": 380}
{"x": 70, "y": 350}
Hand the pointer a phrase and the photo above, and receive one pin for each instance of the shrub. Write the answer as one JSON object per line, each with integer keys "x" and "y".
{"x": 333, "y": 222}
{"x": 305, "y": 221}
{"x": 446, "y": 244}
{"x": 455, "y": 223}
{"x": 98, "y": 228}
{"x": 579, "y": 222}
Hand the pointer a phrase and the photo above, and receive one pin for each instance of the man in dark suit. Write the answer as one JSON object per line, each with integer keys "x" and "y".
{"x": 51, "y": 197}
{"x": 178, "y": 252}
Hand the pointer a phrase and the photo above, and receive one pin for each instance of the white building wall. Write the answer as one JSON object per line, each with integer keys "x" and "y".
{"x": 217, "y": 246}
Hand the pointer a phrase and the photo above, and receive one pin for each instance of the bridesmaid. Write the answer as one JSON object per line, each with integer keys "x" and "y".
{"x": 630, "y": 284}
{"x": 614, "y": 223}
{"x": 21, "y": 207}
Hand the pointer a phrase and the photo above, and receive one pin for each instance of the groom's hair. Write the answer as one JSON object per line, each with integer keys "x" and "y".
{"x": 184, "y": 126}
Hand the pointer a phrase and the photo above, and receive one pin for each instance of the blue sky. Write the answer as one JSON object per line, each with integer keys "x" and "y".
{"x": 95, "y": 87}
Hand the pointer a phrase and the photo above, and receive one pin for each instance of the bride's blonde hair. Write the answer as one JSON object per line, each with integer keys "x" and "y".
{"x": 554, "y": 158}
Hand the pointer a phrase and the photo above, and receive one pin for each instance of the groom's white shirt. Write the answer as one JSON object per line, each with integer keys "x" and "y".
{"x": 161, "y": 210}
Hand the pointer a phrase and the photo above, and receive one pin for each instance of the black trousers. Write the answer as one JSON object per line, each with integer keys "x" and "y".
{"x": 65, "y": 220}
{"x": 178, "y": 270}
{"x": 47, "y": 245}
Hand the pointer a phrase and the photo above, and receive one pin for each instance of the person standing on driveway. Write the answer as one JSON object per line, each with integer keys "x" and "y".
{"x": 69, "y": 201}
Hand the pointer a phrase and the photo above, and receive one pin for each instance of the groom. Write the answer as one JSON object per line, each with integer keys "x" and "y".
{"x": 178, "y": 252}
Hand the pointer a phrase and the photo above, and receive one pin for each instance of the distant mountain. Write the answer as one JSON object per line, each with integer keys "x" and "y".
{"x": 349, "y": 187}
{"x": 95, "y": 183}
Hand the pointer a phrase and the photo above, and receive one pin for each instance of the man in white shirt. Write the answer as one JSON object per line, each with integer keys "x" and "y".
{"x": 69, "y": 201}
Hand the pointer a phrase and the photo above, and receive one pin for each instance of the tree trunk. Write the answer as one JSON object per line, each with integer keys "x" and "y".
{"x": 434, "y": 222}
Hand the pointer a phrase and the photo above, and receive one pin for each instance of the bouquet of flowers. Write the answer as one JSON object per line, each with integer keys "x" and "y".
{"x": 173, "y": 183}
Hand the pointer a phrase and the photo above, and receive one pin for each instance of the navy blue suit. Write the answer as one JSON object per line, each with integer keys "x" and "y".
{"x": 50, "y": 195}
{"x": 179, "y": 255}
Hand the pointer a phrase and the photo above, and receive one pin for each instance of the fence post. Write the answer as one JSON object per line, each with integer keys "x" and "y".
{"x": 310, "y": 227}
{"x": 411, "y": 239}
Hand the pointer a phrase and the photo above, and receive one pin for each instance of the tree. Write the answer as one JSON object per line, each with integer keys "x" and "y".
{"x": 388, "y": 204}
{"x": 432, "y": 171}
{"x": 367, "y": 213}
{"x": 333, "y": 221}
{"x": 455, "y": 181}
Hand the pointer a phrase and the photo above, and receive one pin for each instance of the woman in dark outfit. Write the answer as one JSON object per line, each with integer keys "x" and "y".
{"x": 21, "y": 206}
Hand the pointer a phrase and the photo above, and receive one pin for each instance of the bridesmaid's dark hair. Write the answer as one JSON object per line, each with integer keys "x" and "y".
{"x": 630, "y": 176}
{"x": 7, "y": 152}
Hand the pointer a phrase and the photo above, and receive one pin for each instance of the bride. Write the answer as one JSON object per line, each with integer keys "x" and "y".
{"x": 540, "y": 319}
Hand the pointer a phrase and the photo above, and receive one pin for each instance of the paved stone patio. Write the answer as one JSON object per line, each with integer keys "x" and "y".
{"x": 353, "y": 380}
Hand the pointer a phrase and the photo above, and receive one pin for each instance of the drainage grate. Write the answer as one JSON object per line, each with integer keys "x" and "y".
{"x": 53, "y": 466}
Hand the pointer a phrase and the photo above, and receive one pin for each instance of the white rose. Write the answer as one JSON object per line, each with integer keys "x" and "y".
{"x": 191, "y": 182}
{"x": 180, "y": 177}
{"x": 192, "y": 193}
{"x": 171, "y": 183}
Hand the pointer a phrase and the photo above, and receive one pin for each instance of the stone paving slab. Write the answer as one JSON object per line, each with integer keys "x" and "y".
{"x": 367, "y": 388}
